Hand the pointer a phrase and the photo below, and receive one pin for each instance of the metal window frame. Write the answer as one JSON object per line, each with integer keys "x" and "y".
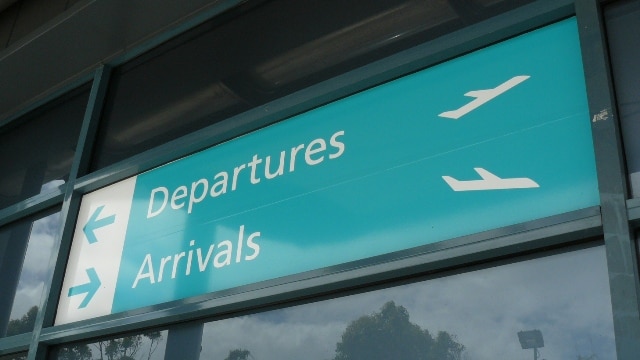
{"x": 611, "y": 220}
{"x": 622, "y": 261}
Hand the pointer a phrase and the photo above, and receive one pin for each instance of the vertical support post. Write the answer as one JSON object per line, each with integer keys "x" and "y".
{"x": 619, "y": 242}
{"x": 184, "y": 341}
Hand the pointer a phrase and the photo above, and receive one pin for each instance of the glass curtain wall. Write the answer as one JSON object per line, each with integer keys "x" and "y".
{"x": 37, "y": 150}
{"x": 258, "y": 53}
{"x": 555, "y": 304}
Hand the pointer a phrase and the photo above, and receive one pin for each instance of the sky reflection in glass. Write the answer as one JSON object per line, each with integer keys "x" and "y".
{"x": 565, "y": 296}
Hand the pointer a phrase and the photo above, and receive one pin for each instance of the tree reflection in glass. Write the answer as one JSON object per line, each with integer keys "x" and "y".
{"x": 470, "y": 315}
{"x": 389, "y": 334}
{"x": 146, "y": 346}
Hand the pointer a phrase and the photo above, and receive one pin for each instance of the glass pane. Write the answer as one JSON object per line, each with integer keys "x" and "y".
{"x": 26, "y": 248}
{"x": 145, "y": 346}
{"x": 623, "y": 26}
{"x": 14, "y": 357}
{"x": 258, "y": 53}
{"x": 38, "y": 150}
{"x": 561, "y": 301}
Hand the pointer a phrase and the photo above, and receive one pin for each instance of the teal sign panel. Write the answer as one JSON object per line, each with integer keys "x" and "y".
{"x": 497, "y": 137}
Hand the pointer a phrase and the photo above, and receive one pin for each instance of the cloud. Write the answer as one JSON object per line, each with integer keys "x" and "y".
{"x": 25, "y": 299}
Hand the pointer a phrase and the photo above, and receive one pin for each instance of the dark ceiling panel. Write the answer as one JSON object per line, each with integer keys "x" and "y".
{"x": 73, "y": 44}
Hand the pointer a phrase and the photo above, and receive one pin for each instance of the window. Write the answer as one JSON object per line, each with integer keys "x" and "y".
{"x": 259, "y": 53}
{"x": 22, "y": 356}
{"x": 623, "y": 26}
{"x": 37, "y": 150}
{"x": 149, "y": 345}
{"x": 26, "y": 248}
{"x": 478, "y": 314}
{"x": 475, "y": 315}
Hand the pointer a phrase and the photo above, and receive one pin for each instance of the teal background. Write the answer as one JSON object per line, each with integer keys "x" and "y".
{"x": 385, "y": 193}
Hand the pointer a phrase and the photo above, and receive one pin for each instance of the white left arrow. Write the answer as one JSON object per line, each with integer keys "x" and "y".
{"x": 483, "y": 96}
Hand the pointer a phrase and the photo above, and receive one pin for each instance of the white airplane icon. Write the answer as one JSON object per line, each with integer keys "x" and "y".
{"x": 489, "y": 182}
{"x": 483, "y": 96}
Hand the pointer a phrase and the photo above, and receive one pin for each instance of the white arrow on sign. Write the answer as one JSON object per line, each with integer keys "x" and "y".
{"x": 92, "y": 269}
{"x": 483, "y": 96}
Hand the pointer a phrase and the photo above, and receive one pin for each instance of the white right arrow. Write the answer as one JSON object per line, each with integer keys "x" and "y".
{"x": 483, "y": 96}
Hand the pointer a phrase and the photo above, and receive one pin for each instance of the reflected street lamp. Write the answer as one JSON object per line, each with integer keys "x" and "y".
{"x": 531, "y": 339}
